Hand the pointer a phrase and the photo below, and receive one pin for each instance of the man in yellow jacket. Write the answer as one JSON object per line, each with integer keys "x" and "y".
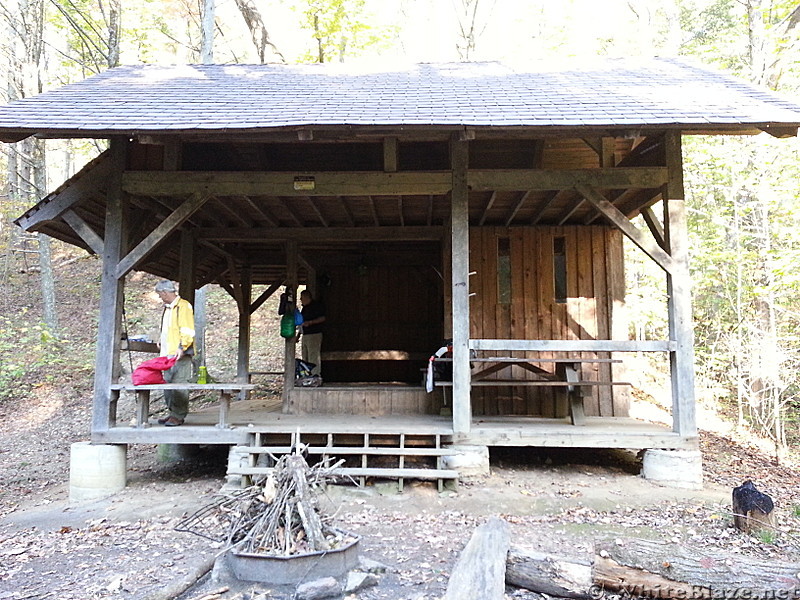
{"x": 177, "y": 339}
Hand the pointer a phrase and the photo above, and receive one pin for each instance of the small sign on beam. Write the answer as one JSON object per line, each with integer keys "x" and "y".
{"x": 304, "y": 183}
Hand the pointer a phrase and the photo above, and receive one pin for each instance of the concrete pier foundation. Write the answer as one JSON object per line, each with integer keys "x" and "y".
{"x": 674, "y": 468}
{"x": 96, "y": 470}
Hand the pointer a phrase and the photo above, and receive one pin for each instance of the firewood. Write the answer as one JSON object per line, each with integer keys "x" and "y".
{"x": 480, "y": 572}
{"x": 752, "y": 509}
{"x": 547, "y": 574}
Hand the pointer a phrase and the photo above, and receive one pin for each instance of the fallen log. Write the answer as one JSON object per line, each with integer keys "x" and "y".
{"x": 547, "y": 574}
{"x": 651, "y": 568}
{"x": 480, "y": 571}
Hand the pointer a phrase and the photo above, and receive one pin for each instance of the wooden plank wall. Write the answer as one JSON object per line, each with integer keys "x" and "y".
{"x": 375, "y": 401}
{"x": 594, "y": 274}
{"x": 381, "y": 307}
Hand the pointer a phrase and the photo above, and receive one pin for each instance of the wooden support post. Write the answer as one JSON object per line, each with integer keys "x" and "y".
{"x": 676, "y": 238}
{"x": 459, "y": 232}
{"x": 243, "y": 348}
{"x": 224, "y": 408}
{"x": 111, "y": 291}
{"x": 142, "y": 407}
{"x": 187, "y": 267}
{"x": 447, "y": 276}
{"x": 291, "y": 343}
{"x": 390, "y": 154}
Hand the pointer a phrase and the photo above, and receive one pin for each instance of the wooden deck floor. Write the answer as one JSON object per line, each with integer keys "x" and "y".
{"x": 264, "y": 415}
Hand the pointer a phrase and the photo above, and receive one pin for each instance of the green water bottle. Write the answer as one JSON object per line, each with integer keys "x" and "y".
{"x": 202, "y": 375}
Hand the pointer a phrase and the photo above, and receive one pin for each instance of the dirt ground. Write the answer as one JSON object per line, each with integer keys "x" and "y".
{"x": 560, "y": 502}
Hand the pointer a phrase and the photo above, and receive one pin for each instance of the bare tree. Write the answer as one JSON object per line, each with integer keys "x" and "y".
{"x": 258, "y": 31}
{"x": 207, "y": 32}
{"x": 27, "y": 160}
{"x": 469, "y": 26}
{"x": 97, "y": 40}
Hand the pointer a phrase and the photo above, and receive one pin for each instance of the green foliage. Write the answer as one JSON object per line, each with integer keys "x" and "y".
{"x": 766, "y": 536}
{"x": 30, "y": 354}
{"x": 340, "y": 29}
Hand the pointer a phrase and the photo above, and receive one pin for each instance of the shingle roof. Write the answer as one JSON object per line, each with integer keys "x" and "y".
{"x": 211, "y": 98}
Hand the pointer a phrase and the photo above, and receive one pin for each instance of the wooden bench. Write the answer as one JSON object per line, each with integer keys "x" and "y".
{"x": 567, "y": 375}
{"x": 372, "y": 355}
{"x": 226, "y": 390}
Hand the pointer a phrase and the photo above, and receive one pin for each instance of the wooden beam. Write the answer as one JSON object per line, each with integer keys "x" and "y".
{"x": 290, "y": 210}
{"x": 679, "y": 304}
{"x": 53, "y": 206}
{"x": 321, "y": 234}
{"x": 265, "y": 295}
{"x": 537, "y": 214}
{"x": 323, "y": 221}
{"x": 487, "y": 208}
{"x": 165, "y": 228}
{"x": 780, "y": 131}
{"x": 112, "y": 289}
{"x": 571, "y": 210}
{"x": 234, "y": 273}
{"x": 573, "y": 345}
{"x": 372, "y": 183}
{"x": 561, "y": 179}
{"x": 86, "y": 233}
{"x": 612, "y": 213}
{"x": 259, "y": 213}
{"x": 607, "y": 152}
{"x": 620, "y": 199}
{"x": 459, "y": 234}
{"x": 517, "y": 205}
{"x": 173, "y": 154}
{"x": 346, "y": 210}
{"x": 186, "y": 278}
{"x": 654, "y": 225}
{"x": 249, "y": 183}
{"x": 375, "y": 220}
{"x": 234, "y": 215}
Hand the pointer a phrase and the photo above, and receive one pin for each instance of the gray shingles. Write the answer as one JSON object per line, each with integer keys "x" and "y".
{"x": 151, "y": 98}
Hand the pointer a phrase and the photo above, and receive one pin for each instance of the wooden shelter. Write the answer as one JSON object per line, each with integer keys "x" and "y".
{"x": 473, "y": 202}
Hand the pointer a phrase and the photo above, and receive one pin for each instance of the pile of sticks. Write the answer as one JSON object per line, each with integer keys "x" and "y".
{"x": 279, "y": 515}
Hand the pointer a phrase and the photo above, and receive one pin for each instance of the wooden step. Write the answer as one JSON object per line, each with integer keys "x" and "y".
{"x": 364, "y": 472}
{"x": 347, "y": 450}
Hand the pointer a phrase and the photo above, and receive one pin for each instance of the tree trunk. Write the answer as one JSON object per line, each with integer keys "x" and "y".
{"x": 644, "y": 567}
{"x": 480, "y": 571}
{"x": 258, "y": 31}
{"x": 207, "y": 41}
{"x": 114, "y": 28}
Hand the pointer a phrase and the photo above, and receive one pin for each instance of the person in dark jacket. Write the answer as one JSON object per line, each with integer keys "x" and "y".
{"x": 313, "y": 317}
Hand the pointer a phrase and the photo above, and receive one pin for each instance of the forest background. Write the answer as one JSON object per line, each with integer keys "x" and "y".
{"x": 743, "y": 193}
